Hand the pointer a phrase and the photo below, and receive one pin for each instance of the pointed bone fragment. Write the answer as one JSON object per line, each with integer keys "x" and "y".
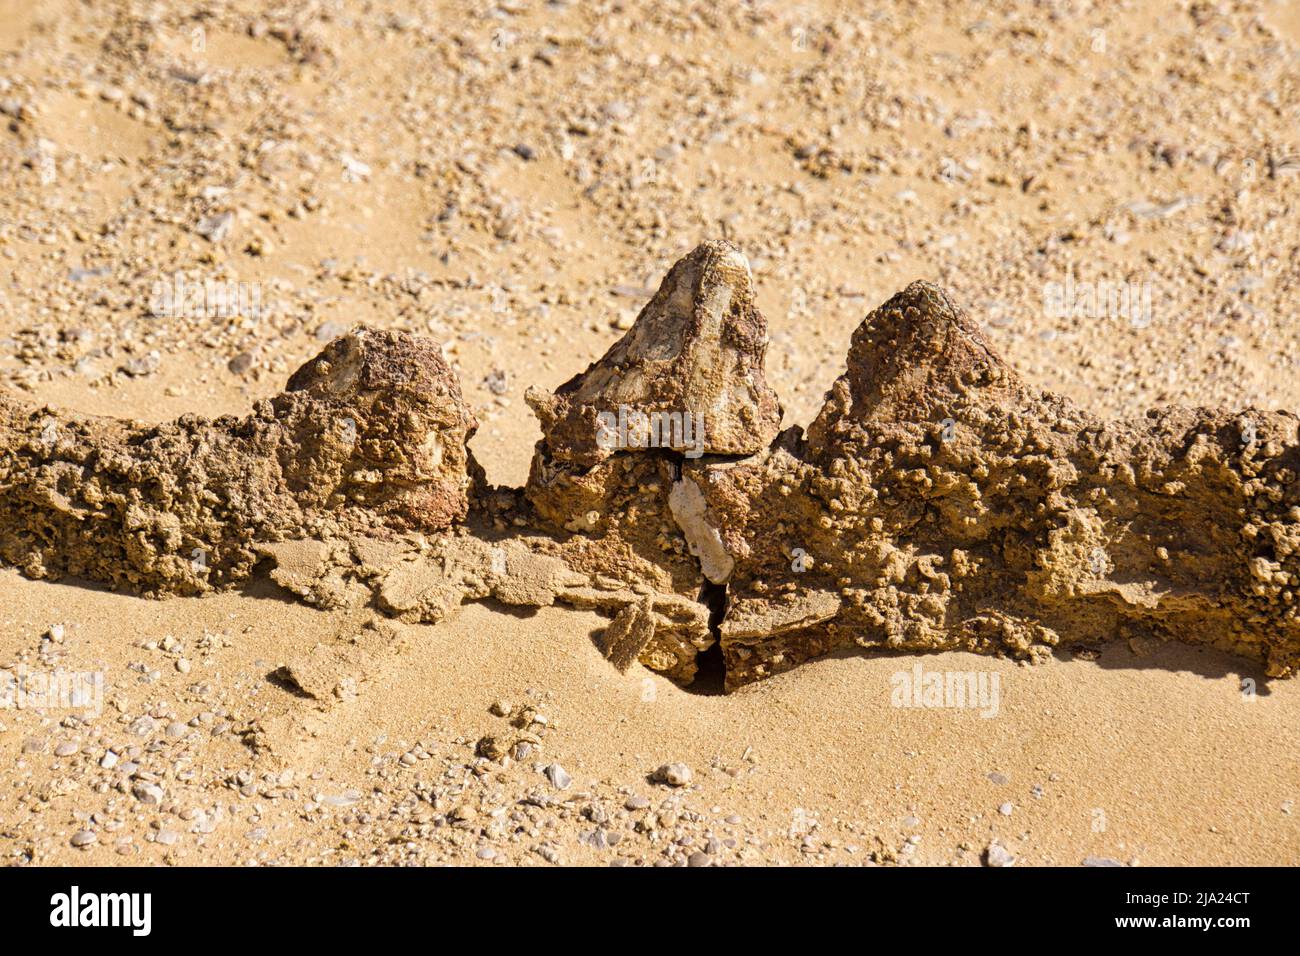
{"x": 694, "y": 355}
{"x": 369, "y": 435}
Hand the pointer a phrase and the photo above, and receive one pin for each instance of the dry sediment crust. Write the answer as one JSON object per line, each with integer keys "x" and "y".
{"x": 368, "y": 435}
{"x": 939, "y": 502}
{"x": 936, "y": 501}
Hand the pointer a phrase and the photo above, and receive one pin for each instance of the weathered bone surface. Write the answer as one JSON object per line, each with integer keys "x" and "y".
{"x": 696, "y": 350}
{"x": 939, "y": 502}
{"x": 936, "y": 501}
{"x": 685, "y": 382}
{"x": 369, "y": 435}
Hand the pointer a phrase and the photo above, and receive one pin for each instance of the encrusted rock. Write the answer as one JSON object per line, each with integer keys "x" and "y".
{"x": 369, "y": 435}
{"x": 687, "y": 376}
{"x": 939, "y": 502}
{"x": 629, "y": 633}
{"x": 936, "y": 502}
{"x": 685, "y": 382}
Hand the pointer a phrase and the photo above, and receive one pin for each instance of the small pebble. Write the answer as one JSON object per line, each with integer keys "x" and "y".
{"x": 149, "y": 793}
{"x": 997, "y": 855}
{"x": 674, "y": 774}
{"x": 560, "y": 780}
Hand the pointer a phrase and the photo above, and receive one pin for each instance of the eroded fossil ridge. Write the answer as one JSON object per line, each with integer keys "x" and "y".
{"x": 937, "y": 501}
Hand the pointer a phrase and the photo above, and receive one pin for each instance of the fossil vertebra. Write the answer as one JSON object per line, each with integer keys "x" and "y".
{"x": 940, "y": 502}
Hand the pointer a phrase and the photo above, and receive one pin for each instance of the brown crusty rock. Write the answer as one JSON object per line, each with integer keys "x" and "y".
{"x": 940, "y": 502}
{"x": 694, "y": 354}
{"x": 685, "y": 382}
{"x": 369, "y": 435}
{"x": 936, "y": 502}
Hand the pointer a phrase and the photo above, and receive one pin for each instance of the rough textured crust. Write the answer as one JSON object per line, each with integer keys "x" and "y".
{"x": 369, "y": 435}
{"x": 936, "y": 502}
{"x": 696, "y": 352}
{"x": 696, "y": 348}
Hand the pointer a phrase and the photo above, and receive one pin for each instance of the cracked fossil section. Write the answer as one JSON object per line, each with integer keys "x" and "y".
{"x": 695, "y": 350}
{"x": 939, "y": 502}
{"x": 686, "y": 381}
{"x": 936, "y": 502}
{"x": 368, "y": 435}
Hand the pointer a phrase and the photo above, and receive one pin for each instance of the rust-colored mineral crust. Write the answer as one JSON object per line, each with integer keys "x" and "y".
{"x": 939, "y": 502}
{"x": 369, "y": 435}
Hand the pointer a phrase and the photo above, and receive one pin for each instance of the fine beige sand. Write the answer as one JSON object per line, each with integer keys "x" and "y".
{"x": 513, "y": 180}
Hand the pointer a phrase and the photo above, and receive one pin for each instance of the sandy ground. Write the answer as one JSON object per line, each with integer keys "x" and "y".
{"x": 509, "y": 179}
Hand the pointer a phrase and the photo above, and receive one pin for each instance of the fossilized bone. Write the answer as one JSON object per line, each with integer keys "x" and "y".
{"x": 936, "y": 501}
